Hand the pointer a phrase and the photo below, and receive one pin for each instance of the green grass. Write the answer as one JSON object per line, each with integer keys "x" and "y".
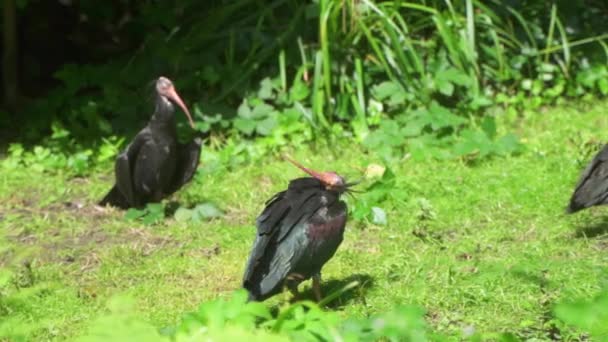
{"x": 496, "y": 255}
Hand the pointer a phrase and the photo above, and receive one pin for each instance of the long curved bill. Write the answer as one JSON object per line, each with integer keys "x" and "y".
{"x": 313, "y": 173}
{"x": 325, "y": 177}
{"x": 172, "y": 94}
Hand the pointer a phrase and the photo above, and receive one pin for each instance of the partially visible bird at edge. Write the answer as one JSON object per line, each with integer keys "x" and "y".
{"x": 154, "y": 165}
{"x": 298, "y": 231}
{"x": 592, "y": 187}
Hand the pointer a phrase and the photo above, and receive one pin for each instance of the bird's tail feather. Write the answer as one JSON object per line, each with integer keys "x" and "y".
{"x": 115, "y": 198}
{"x": 574, "y": 206}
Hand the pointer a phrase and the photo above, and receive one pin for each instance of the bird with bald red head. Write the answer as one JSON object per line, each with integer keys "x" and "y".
{"x": 298, "y": 231}
{"x": 155, "y": 165}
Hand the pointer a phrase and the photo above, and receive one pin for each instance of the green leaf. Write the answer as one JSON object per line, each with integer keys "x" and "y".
{"x": 445, "y": 87}
{"x": 261, "y": 110}
{"x": 587, "y": 315}
{"x": 206, "y": 211}
{"x": 246, "y": 126}
{"x": 456, "y": 76}
{"x": 183, "y": 214}
{"x": 602, "y": 84}
{"x": 266, "y": 126}
{"x": 266, "y": 87}
{"x": 299, "y": 91}
{"x": 389, "y": 90}
{"x": 155, "y": 213}
{"x": 481, "y": 101}
{"x": 489, "y": 126}
{"x": 446, "y": 79}
{"x": 244, "y": 111}
{"x": 133, "y": 214}
{"x": 440, "y": 117}
{"x": 378, "y": 216}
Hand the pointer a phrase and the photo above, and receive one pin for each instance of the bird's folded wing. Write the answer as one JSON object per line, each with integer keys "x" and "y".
{"x": 124, "y": 167}
{"x": 188, "y": 156}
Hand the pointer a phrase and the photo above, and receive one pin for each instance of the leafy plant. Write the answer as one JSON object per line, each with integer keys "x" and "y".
{"x": 367, "y": 205}
{"x": 198, "y": 213}
{"x": 234, "y": 317}
{"x": 591, "y": 316}
{"x": 151, "y": 214}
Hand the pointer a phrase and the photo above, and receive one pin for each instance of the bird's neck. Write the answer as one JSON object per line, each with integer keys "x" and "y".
{"x": 164, "y": 113}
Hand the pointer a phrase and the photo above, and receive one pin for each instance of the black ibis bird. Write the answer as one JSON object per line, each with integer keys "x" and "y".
{"x": 298, "y": 231}
{"x": 592, "y": 187}
{"x": 154, "y": 165}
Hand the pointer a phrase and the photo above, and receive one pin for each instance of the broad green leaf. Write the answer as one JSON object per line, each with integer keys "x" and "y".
{"x": 299, "y": 91}
{"x": 386, "y": 90}
{"x": 206, "y": 211}
{"x": 440, "y": 117}
{"x": 266, "y": 126}
{"x": 261, "y": 110}
{"x": 133, "y": 214}
{"x": 183, "y": 214}
{"x": 265, "y": 91}
{"x": 590, "y": 316}
{"x": 246, "y": 126}
{"x": 456, "y": 76}
{"x": 378, "y": 216}
{"x": 244, "y": 111}
{"x": 444, "y": 86}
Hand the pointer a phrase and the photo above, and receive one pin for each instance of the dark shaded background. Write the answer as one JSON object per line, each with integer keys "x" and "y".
{"x": 88, "y": 64}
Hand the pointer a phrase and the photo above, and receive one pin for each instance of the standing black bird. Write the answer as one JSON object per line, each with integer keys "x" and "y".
{"x": 299, "y": 230}
{"x": 154, "y": 165}
{"x": 592, "y": 187}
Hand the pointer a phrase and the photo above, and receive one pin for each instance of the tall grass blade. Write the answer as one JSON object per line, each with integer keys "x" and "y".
{"x": 282, "y": 70}
{"x": 565, "y": 42}
{"x": 525, "y": 26}
{"x": 470, "y": 26}
{"x": 551, "y": 31}
{"x": 318, "y": 97}
{"x": 326, "y": 8}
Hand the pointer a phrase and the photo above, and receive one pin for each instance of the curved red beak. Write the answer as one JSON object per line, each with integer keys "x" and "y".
{"x": 172, "y": 94}
{"x": 326, "y": 178}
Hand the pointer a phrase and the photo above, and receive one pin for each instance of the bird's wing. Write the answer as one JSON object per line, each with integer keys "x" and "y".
{"x": 281, "y": 239}
{"x": 271, "y": 262}
{"x": 124, "y": 165}
{"x": 592, "y": 187}
{"x": 188, "y": 156}
{"x": 285, "y": 209}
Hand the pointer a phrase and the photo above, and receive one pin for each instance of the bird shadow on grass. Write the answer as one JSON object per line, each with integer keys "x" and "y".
{"x": 593, "y": 229}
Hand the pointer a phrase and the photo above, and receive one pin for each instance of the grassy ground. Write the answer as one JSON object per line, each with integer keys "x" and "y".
{"x": 493, "y": 251}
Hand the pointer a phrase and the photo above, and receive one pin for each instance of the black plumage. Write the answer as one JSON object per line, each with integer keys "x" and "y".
{"x": 592, "y": 187}
{"x": 298, "y": 231}
{"x": 154, "y": 165}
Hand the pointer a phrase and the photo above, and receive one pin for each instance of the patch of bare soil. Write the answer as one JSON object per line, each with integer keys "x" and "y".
{"x": 83, "y": 248}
